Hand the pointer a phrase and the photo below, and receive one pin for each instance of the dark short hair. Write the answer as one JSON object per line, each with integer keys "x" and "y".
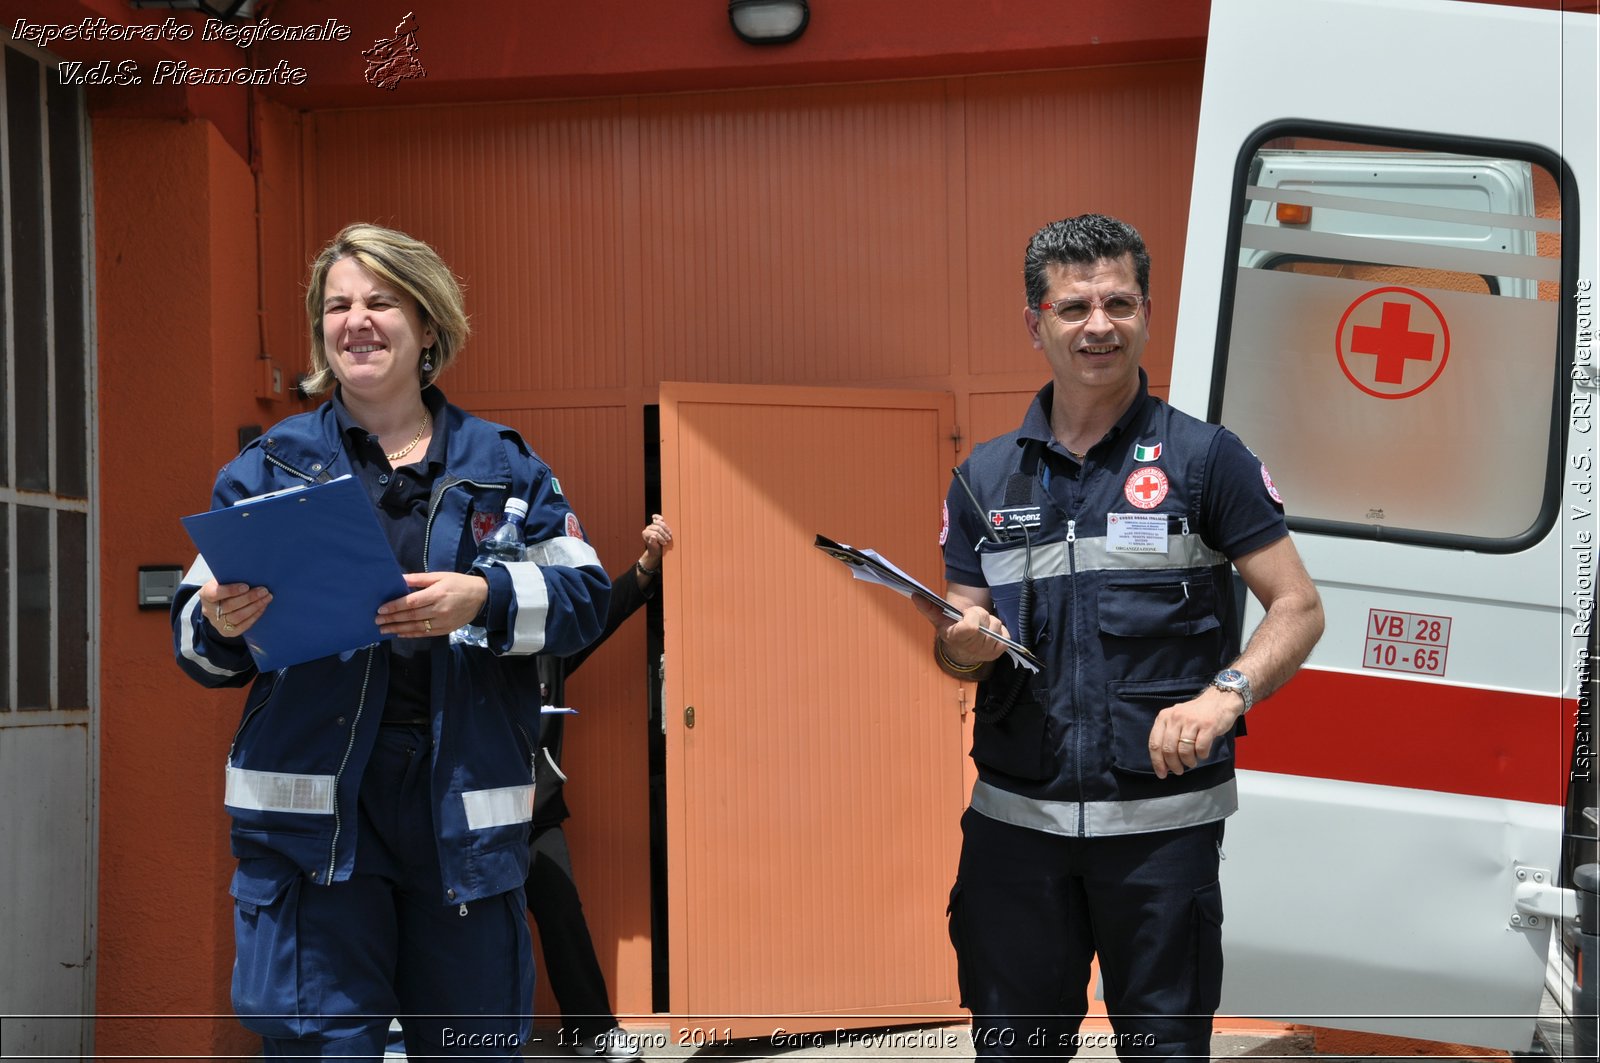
{"x": 1079, "y": 241}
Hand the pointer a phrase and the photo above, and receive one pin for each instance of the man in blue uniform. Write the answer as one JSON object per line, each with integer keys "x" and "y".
{"x": 1100, "y": 533}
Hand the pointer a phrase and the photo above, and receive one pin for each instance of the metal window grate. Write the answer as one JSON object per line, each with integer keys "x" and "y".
{"x": 47, "y": 532}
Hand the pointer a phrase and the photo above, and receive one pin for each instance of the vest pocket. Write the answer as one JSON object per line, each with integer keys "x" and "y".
{"x": 1134, "y": 706}
{"x": 1169, "y": 609}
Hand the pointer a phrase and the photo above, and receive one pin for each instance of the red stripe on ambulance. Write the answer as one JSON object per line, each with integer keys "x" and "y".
{"x": 1421, "y": 735}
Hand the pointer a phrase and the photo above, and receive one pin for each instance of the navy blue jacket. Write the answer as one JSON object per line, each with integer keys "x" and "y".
{"x": 295, "y": 766}
{"x": 1131, "y": 610}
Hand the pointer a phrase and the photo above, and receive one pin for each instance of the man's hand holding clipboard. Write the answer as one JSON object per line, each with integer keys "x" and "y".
{"x": 871, "y": 567}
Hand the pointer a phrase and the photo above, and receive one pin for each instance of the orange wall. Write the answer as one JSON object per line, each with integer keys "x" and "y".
{"x": 823, "y": 235}
{"x": 284, "y": 256}
{"x": 175, "y": 306}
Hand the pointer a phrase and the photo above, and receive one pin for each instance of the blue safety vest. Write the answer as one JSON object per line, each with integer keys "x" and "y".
{"x": 1106, "y": 571}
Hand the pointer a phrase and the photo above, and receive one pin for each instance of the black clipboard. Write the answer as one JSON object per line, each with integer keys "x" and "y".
{"x": 320, "y": 551}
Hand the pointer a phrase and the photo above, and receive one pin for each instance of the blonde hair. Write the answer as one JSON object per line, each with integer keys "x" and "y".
{"x": 408, "y": 264}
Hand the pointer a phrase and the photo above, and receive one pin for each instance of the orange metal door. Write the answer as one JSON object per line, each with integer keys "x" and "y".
{"x": 814, "y": 753}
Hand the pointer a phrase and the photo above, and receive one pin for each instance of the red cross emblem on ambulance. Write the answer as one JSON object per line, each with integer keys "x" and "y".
{"x": 1392, "y": 342}
{"x": 1146, "y": 487}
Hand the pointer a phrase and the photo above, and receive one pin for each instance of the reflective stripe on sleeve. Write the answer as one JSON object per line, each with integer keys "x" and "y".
{"x": 272, "y": 791}
{"x": 565, "y": 550}
{"x": 1102, "y": 818}
{"x": 532, "y": 594}
{"x": 1002, "y": 567}
{"x": 198, "y": 575}
{"x": 533, "y": 606}
{"x": 500, "y": 807}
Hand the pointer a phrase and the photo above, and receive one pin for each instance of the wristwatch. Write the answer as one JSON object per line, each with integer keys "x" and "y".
{"x": 1236, "y": 681}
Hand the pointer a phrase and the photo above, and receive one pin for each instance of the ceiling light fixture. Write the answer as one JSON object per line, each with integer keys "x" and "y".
{"x": 769, "y": 21}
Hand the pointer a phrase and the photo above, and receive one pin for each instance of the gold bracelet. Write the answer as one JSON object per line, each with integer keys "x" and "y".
{"x": 944, "y": 658}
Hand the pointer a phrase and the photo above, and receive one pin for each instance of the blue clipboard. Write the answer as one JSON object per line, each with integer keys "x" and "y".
{"x": 322, "y": 554}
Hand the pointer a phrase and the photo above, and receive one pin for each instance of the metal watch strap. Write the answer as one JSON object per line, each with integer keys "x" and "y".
{"x": 1231, "y": 679}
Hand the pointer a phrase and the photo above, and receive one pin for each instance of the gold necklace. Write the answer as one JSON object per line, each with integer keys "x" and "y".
{"x": 409, "y": 447}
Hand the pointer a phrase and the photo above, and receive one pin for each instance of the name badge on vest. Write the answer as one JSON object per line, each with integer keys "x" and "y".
{"x": 1015, "y": 517}
{"x": 1136, "y": 533}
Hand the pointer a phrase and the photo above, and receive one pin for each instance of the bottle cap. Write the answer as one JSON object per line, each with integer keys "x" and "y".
{"x": 516, "y": 507}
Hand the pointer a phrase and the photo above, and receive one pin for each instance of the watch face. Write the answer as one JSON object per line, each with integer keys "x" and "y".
{"x": 1230, "y": 675}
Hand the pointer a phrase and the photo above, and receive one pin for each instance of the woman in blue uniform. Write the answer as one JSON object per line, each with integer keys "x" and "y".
{"x": 381, "y": 799}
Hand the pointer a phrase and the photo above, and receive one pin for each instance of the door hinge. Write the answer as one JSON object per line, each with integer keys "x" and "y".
{"x": 1537, "y": 898}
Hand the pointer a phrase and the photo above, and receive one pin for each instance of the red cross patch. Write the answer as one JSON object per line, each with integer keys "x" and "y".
{"x": 574, "y": 529}
{"x": 1272, "y": 489}
{"x": 483, "y": 523}
{"x": 1146, "y": 487}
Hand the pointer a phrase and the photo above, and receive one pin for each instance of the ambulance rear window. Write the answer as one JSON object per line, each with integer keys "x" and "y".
{"x": 1393, "y": 349}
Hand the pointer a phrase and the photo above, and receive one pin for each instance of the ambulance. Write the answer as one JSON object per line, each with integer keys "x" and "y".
{"x": 1389, "y": 293}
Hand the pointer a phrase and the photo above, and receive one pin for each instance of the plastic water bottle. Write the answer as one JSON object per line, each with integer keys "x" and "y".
{"x": 502, "y": 544}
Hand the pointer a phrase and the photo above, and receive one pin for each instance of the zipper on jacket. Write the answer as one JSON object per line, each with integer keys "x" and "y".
{"x": 1077, "y": 698}
{"x": 286, "y": 467}
{"x": 355, "y": 723}
{"x": 433, "y": 508}
{"x": 533, "y": 753}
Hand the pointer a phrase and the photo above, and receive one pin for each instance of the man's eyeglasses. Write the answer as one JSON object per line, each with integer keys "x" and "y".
{"x": 1077, "y": 311}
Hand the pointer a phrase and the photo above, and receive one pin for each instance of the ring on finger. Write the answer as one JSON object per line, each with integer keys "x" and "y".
{"x": 1186, "y": 741}
{"x": 427, "y": 625}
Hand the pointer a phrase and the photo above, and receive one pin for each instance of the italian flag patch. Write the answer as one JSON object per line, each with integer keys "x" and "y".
{"x": 1144, "y": 453}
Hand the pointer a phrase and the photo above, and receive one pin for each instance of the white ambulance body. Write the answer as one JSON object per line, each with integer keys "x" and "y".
{"x": 1388, "y": 293}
